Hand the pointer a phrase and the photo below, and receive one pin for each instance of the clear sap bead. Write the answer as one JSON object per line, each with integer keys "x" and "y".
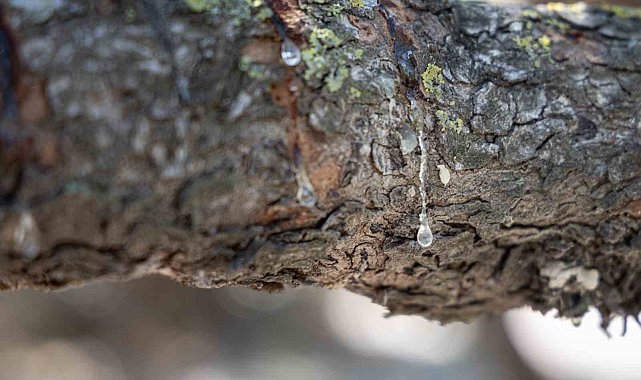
{"x": 408, "y": 139}
{"x": 290, "y": 52}
{"x": 305, "y": 195}
{"x": 424, "y": 235}
{"x": 577, "y": 321}
{"x": 27, "y": 236}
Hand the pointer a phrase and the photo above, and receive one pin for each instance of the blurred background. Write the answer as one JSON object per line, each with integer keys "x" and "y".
{"x": 156, "y": 329}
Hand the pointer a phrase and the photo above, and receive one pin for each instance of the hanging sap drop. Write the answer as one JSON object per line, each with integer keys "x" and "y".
{"x": 305, "y": 194}
{"x": 26, "y": 236}
{"x": 290, "y": 52}
{"x": 424, "y": 235}
{"x": 408, "y": 140}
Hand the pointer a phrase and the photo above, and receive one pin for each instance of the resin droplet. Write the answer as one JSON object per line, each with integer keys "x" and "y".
{"x": 424, "y": 235}
{"x": 576, "y": 321}
{"x": 408, "y": 140}
{"x": 444, "y": 174}
{"x": 26, "y": 236}
{"x": 305, "y": 194}
{"x": 290, "y": 52}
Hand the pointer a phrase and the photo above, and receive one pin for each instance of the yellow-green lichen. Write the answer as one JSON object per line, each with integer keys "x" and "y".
{"x": 201, "y": 5}
{"x": 322, "y": 37}
{"x": 358, "y": 3}
{"x": 535, "y": 47}
{"x": 524, "y": 42}
{"x": 253, "y": 71}
{"x": 621, "y": 11}
{"x": 552, "y": 21}
{"x": 566, "y": 8}
{"x": 335, "y": 10}
{"x": 532, "y": 44}
{"x": 328, "y": 8}
{"x": 530, "y": 13}
{"x": 544, "y": 42}
{"x": 555, "y": 23}
{"x": 327, "y": 59}
{"x": 264, "y": 13}
{"x": 334, "y": 81}
{"x": 318, "y": 55}
{"x": 236, "y": 11}
{"x": 447, "y": 123}
{"x": 432, "y": 79}
{"x": 354, "y": 93}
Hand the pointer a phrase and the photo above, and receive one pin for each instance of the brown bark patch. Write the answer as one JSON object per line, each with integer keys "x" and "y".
{"x": 261, "y": 51}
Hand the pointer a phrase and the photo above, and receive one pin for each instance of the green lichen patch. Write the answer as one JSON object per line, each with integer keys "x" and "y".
{"x": 327, "y": 59}
{"x": 575, "y": 8}
{"x": 621, "y": 11}
{"x": 544, "y": 42}
{"x": 531, "y": 13}
{"x": 253, "y": 71}
{"x": 201, "y": 5}
{"x": 535, "y": 47}
{"x": 319, "y": 55}
{"x": 323, "y": 9}
{"x": 327, "y": 11}
{"x": 237, "y": 12}
{"x": 448, "y": 123}
{"x": 532, "y": 44}
{"x": 335, "y": 9}
{"x": 355, "y": 93}
{"x": 432, "y": 79}
{"x": 334, "y": 81}
{"x": 555, "y": 23}
{"x": 324, "y": 38}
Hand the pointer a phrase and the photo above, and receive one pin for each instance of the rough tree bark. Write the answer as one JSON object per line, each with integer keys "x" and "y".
{"x": 171, "y": 138}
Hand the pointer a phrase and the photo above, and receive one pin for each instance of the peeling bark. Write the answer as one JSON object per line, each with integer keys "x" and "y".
{"x": 110, "y": 174}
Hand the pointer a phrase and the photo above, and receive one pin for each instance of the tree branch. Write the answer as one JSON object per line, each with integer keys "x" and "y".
{"x": 309, "y": 175}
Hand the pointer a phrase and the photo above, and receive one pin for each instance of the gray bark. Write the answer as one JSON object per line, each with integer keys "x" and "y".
{"x": 110, "y": 174}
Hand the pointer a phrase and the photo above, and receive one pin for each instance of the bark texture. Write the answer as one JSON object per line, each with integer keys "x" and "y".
{"x": 167, "y": 137}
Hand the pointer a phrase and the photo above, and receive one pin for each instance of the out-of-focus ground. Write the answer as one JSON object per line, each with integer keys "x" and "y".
{"x": 156, "y": 329}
